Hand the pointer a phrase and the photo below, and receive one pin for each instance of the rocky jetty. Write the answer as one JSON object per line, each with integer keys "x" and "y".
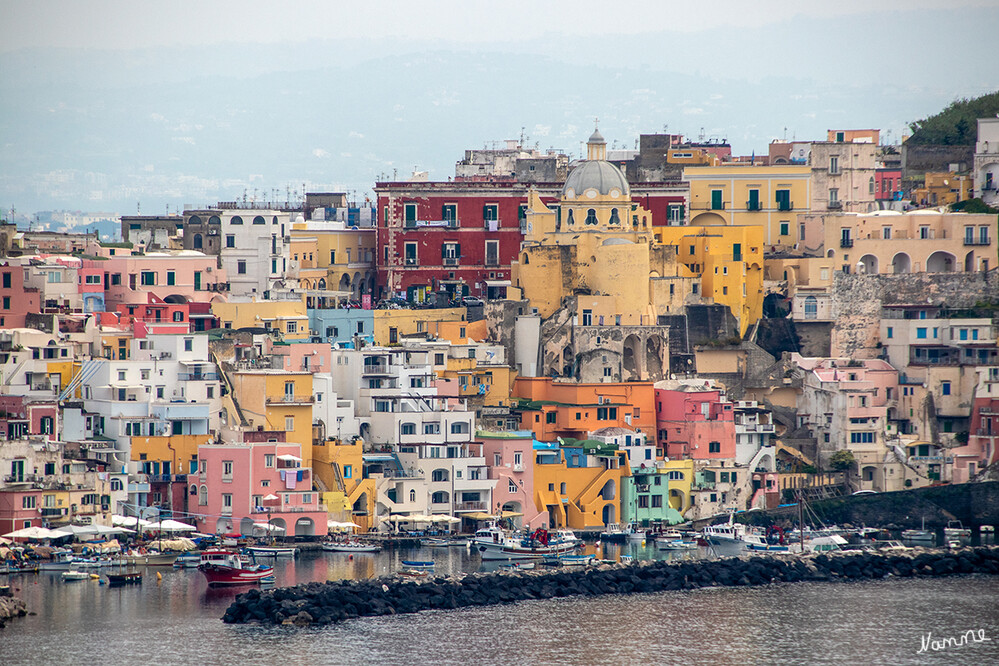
{"x": 326, "y": 603}
{"x": 10, "y": 606}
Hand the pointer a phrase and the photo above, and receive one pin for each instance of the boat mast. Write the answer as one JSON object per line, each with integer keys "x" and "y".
{"x": 801, "y": 521}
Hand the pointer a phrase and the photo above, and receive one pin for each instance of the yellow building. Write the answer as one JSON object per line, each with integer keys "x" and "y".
{"x": 172, "y": 452}
{"x": 680, "y": 476}
{"x": 727, "y": 261}
{"x": 277, "y": 400}
{"x": 580, "y": 488}
{"x": 943, "y": 189}
{"x": 767, "y": 197}
{"x": 334, "y": 256}
{"x": 348, "y": 496}
{"x": 596, "y": 243}
{"x": 390, "y": 325}
{"x": 290, "y": 317}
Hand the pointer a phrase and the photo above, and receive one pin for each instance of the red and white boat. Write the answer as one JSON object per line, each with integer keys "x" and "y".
{"x": 228, "y": 567}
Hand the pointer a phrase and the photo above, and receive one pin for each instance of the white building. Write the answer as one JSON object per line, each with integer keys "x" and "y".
{"x": 986, "y": 171}
{"x": 253, "y": 250}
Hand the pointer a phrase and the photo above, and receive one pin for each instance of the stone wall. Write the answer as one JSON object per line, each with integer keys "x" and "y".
{"x": 917, "y": 159}
{"x": 857, "y": 301}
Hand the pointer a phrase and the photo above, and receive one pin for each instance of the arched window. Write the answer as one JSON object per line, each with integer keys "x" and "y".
{"x": 526, "y": 260}
{"x": 274, "y": 220}
{"x": 569, "y": 219}
{"x": 259, "y": 219}
{"x": 591, "y": 216}
{"x": 439, "y": 475}
{"x": 870, "y": 185}
{"x": 236, "y": 219}
{"x": 192, "y": 492}
{"x": 614, "y": 219}
{"x": 440, "y": 497}
{"x": 197, "y": 242}
{"x": 203, "y": 496}
{"x": 214, "y": 219}
{"x": 811, "y": 307}
{"x": 412, "y": 495}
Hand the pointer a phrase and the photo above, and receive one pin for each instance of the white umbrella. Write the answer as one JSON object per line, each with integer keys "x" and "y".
{"x": 169, "y": 526}
{"x": 267, "y": 527}
{"x": 128, "y": 521}
{"x": 445, "y": 519}
{"x": 270, "y": 497}
{"x": 105, "y": 530}
{"x": 33, "y": 533}
{"x": 75, "y": 530}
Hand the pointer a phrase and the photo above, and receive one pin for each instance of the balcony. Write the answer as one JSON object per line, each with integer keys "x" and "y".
{"x": 785, "y": 206}
{"x": 390, "y": 473}
{"x": 835, "y": 205}
{"x": 198, "y": 376}
{"x": 753, "y": 205}
{"x": 517, "y": 467}
{"x": 846, "y": 242}
{"x": 451, "y": 261}
{"x": 291, "y": 400}
{"x": 976, "y": 241}
{"x": 470, "y": 506}
{"x": 52, "y": 512}
{"x": 432, "y": 224}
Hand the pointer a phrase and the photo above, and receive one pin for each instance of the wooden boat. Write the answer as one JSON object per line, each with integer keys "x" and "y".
{"x": 187, "y": 561}
{"x": 117, "y": 579}
{"x": 350, "y": 547}
{"x": 227, "y": 567}
{"x": 435, "y": 543}
{"x": 272, "y": 551}
{"x": 495, "y": 544}
{"x": 418, "y": 564}
{"x": 153, "y": 559}
{"x": 409, "y": 573}
{"x": 575, "y": 560}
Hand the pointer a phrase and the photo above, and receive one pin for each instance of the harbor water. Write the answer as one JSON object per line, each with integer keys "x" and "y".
{"x": 176, "y": 620}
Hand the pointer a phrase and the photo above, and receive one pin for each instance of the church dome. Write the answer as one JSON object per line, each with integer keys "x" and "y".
{"x": 595, "y": 174}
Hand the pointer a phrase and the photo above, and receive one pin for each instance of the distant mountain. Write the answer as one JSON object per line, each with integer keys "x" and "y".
{"x": 166, "y": 127}
{"x": 957, "y": 124}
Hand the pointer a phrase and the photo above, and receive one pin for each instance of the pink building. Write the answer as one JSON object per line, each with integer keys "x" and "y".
{"x": 310, "y": 356}
{"x": 510, "y": 459}
{"x": 15, "y": 300}
{"x": 20, "y": 509}
{"x": 692, "y": 423}
{"x": 20, "y": 418}
{"x": 980, "y": 451}
{"x": 178, "y": 276}
{"x": 251, "y": 482}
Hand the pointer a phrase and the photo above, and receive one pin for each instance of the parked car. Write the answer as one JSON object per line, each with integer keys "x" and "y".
{"x": 471, "y": 301}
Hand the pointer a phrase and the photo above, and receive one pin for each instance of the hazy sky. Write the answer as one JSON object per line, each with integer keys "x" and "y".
{"x": 107, "y": 103}
{"x": 122, "y": 24}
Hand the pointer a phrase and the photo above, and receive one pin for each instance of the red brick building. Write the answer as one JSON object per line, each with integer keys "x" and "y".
{"x": 460, "y": 237}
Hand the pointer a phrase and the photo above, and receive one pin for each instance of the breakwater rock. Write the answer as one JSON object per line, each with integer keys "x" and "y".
{"x": 10, "y": 606}
{"x": 326, "y": 603}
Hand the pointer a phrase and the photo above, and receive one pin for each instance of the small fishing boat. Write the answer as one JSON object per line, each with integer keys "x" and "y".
{"x": 60, "y": 560}
{"x": 187, "y": 561}
{"x": 93, "y": 562}
{"x": 435, "y": 543}
{"x": 350, "y": 547}
{"x": 576, "y": 560}
{"x": 120, "y": 578}
{"x": 418, "y": 565}
{"x": 272, "y": 551}
{"x": 921, "y": 534}
{"x": 955, "y": 530}
{"x": 410, "y": 573}
{"x": 227, "y": 567}
{"x": 150, "y": 559}
{"x": 77, "y": 575}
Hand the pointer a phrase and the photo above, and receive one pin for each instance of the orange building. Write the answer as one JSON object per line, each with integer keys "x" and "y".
{"x": 553, "y": 409}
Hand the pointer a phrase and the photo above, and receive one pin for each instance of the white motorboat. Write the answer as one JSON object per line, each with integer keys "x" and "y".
{"x": 733, "y": 539}
{"x": 271, "y": 551}
{"x": 350, "y": 547}
{"x": 820, "y": 544}
{"x": 77, "y": 575}
{"x": 955, "y": 530}
{"x": 494, "y": 543}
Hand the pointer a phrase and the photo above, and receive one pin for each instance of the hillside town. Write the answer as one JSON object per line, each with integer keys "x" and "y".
{"x": 647, "y": 336}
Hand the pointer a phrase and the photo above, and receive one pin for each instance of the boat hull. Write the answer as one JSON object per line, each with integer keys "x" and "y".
{"x": 272, "y": 552}
{"x": 345, "y": 548}
{"x": 218, "y": 575}
{"x": 493, "y": 551}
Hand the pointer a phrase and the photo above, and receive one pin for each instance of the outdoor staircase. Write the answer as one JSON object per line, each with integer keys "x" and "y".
{"x": 87, "y": 370}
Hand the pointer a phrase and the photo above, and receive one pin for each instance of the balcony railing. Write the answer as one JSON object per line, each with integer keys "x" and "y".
{"x": 291, "y": 400}
{"x": 785, "y": 206}
{"x": 470, "y": 506}
{"x": 845, "y": 242}
{"x": 198, "y": 376}
{"x": 451, "y": 261}
{"x": 753, "y": 205}
{"x": 391, "y": 473}
{"x": 976, "y": 241}
{"x": 835, "y": 205}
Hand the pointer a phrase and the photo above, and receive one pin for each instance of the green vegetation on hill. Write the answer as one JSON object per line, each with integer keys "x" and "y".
{"x": 973, "y": 206}
{"x": 956, "y": 125}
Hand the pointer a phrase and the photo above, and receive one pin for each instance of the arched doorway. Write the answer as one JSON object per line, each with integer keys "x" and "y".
{"x": 246, "y": 526}
{"x": 223, "y": 526}
{"x": 305, "y": 527}
{"x": 940, "y": 262}
{"x": 629, "y": 361}
{"x": 654, "y": 348}
{"x": 609, "y": 491}
{"x": 901, "y": 263}
{"x": 279, "y": 522}
{"x": 870, "y": 264}
{"x": 609, "y": 514}
{"x": 511, "y": 508}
